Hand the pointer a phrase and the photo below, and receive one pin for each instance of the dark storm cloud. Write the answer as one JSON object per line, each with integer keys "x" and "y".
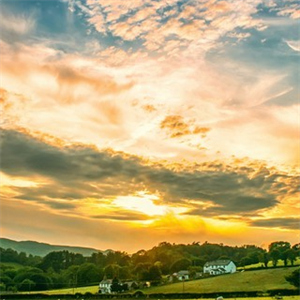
{"x": 285, "y": 223}
{"x": 80, "y": 172}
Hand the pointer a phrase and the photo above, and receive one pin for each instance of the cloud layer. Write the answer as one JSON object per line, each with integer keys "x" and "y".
{"x": 169, "y": 119}
{"x": 76, "y": 173}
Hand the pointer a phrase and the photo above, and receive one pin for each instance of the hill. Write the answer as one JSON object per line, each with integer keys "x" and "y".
{"x": 257, "y": 280}
{"x": 42, "y": 249}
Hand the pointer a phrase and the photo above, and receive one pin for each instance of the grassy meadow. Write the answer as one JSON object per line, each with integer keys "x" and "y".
{"x": 256, "y": 280}
{"x": 280, "y": 263}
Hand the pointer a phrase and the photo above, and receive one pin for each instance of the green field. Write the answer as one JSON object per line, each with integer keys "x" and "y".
{"x": 258, "y": 280}
{"x": 82, "y": 290}
{"x": 270, "y": 264}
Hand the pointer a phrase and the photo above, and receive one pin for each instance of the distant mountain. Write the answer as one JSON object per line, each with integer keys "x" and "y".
{"x": 42, "y": 249}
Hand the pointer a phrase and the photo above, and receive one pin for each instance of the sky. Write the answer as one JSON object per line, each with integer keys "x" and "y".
{"x": 129, "y": 123}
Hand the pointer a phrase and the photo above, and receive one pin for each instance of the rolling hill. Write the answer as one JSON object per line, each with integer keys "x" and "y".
{"x": 42, "y": 249}
{"x": 256, "y": 280}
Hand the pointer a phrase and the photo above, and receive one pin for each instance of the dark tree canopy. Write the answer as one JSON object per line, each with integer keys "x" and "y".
{"x": 294, "y": 278}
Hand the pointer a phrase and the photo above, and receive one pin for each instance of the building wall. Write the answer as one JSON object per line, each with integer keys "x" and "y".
{"x": 214, "y": 270}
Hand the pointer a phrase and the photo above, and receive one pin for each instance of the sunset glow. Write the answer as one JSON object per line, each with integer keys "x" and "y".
{"x": 154, "y": 120}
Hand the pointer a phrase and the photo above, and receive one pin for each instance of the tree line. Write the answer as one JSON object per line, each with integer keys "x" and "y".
{"x": 22, "y": 272}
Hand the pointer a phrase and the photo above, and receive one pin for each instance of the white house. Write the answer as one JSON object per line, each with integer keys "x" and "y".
{"x": 218, "y": 267}
{"x": 105, "y": 286}
{"x": 183, "y": 275}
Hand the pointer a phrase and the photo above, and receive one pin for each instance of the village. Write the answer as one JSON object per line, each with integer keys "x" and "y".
{"x": 211, "y": 268}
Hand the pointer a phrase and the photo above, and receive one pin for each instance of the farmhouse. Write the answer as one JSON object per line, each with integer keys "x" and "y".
{"x": 218, "y": 267}
{"x": 105, "y": 286}
{"x": 183, "y": 275}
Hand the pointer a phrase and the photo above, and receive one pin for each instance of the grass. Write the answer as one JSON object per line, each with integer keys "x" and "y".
{"x": 244, "y": 298}
{"x": 86, "y": 289}
{"x": 257, "y": 280}
{"x": 270, "y": 264}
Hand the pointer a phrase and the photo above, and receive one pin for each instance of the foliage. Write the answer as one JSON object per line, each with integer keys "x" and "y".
{"x": 27, "y": 285}
{"x": 88, "y": 273}
{"x": 181, "y": 264}
{"x": 63, "y": 269}
{"x": 294, "y": 278}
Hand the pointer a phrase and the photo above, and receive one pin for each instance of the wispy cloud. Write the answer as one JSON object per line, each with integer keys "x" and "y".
{"x": 295, "y": 45}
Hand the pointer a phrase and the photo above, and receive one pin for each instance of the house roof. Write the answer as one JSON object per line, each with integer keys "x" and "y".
{"x": 220, "y": 262}
{"x": 130, "y": 283}
{"x": 183, "y": 272}
{"x": 106, "y": 281}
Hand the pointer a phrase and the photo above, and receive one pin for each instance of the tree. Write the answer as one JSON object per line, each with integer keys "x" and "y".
{"x": 69, "y": 276}
{"x": 296, "y": 247}
{"x": 154, "y": 273}
{"x": 6, "y": 280}
{"x": 88, "y": 273}
{"x": 292, "y": 255}
{"x": 112, "y": 271}
{"x": 245, "y": 261}
{"x": 280, "y": 246}
{"x": 115, "y": 286}
{"x": 26, "y": 285}
{"x": 279, "y": 250}
{"x": 2, "y": 287}
{"x": 275, "y": 255}
{"x": 55, "y": 260}
{"x": 42, "y": 281}
{"x": 98, "y": 259}
{"x": 141, "y": 270}
{"x": 181, "y": 264}
{"x": 294, "y": 278}
{"x": 124, "y": 273}
{"x": 264, "y": 258}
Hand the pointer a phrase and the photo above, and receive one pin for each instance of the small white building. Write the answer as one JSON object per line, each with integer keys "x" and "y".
{"x": 105, "y": 286}
{"x": 183, "y": 275}
{"x": 218, "y": 267}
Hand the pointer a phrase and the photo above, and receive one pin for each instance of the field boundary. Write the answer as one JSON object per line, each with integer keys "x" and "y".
{"x": 278, "y": 294}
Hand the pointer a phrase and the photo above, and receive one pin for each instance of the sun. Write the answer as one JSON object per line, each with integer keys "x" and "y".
{"x": 141, "y": 202}
{"x": 146, "y": 203}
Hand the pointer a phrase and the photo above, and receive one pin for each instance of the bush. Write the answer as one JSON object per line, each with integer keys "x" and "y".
{"x": 138, "y": 294}
{"x": 26, "y": 285}
{"x": 294, "y": 278}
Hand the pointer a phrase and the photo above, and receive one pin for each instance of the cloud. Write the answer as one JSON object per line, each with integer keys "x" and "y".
{"x": 177, "y": 127}
{"x": 26, "y": 155}
{"x": 192, "y": 24}
{"x": 293, "y": 11}
{"x": 76, "y": 173}
{"x": 123, "y": 216}
{"x": 295, "y": 45}
{"x": 16, "y": 27}
{"x": 284, "y": 223}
